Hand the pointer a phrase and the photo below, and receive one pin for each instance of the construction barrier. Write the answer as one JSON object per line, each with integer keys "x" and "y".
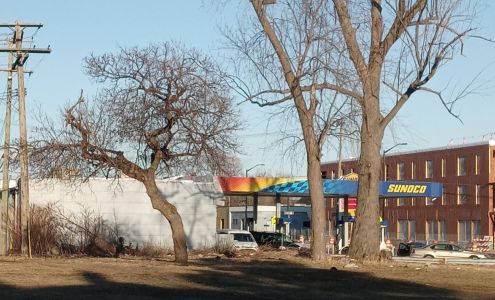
{"x": 481, "y": 245}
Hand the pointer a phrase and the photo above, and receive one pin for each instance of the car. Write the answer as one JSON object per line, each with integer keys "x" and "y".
{"x": 446, "y": 250}
{"x": 407, "y": 249}
{"x": 344, "y": 251}
{"x": 240, "y": 239}
{"x": 404, "y": 249}
{"x": 276, "y": 239}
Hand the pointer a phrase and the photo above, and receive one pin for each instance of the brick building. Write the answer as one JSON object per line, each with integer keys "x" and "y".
{"x": 464, "y": 213}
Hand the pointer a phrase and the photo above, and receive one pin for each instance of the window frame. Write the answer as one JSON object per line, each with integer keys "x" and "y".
{"x": 429, "y": 169}
{"x": 444, "y": 167}
{"x": 461, "y": 166}
{"x": 477, "y": 192}
{"x": 401, "y": 171}
{"x": 431, "y": 230}
{"x": 477, "y": 165}
{"x": 462, "y": 198}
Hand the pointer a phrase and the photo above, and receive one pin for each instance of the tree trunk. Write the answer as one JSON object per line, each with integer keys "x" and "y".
{"x": 366, "y": 233}
{"x": 315, "y": 185}
{"x": 169, "y": 211}
{"x": 318, "y": 207}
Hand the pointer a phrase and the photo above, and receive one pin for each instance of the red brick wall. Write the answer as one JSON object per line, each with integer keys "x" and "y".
{"x": 447, "y": 208}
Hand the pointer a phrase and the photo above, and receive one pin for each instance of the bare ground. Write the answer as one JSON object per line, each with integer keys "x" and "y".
{"x": 265, "y": 275}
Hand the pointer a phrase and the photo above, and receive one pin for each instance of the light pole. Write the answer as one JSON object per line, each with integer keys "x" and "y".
{"x": 383, "y": 158}
{"x": 246, "y": 202}
{"x": 247, "y": 170}
{"x": 385, "y": 178}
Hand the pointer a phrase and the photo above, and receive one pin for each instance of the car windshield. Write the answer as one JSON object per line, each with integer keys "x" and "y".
{"x": 286, "y": 239}
{"x": 243, "y": 237}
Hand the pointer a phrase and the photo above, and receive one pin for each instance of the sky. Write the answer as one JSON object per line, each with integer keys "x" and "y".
{"x": 76, "y": 29}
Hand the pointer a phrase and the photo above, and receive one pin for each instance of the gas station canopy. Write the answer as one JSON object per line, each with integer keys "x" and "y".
{"x": 331, "y": 188}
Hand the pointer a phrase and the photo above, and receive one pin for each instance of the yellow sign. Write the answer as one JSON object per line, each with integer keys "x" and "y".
{"x": 407, "y": 188}
{"x": 274, "y": 220}
{"x": 350, "y": 176}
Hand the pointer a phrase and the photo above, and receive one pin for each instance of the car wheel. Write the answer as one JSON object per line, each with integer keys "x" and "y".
{"x": 428, "y": 256}
{"x": 474, "y": 257}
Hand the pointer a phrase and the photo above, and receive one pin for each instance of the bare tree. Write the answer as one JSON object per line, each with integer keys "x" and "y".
{"x": 377, "y": 53}
{"x": 288, "y": 53}
{"x": 396, "y": 48}
{"x": 162, "y": 110}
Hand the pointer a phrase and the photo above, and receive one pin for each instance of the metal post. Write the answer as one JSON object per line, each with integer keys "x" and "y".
{"x": 246, "y": 199}
{"x": 382, "y": 244}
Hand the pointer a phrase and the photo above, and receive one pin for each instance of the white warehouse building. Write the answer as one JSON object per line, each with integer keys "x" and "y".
{"x": 124, "y": 204}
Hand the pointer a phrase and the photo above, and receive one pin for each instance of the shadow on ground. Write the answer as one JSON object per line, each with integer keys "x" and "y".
{"x": 278, "y": 280}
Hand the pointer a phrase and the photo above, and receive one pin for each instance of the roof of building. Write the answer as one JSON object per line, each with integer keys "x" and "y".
{"x": 450, "y": 146}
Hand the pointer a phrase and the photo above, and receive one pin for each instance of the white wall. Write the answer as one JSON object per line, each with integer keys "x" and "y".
{"x": 125, "y": 203}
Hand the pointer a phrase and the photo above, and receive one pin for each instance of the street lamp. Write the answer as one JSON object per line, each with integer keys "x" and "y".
{"x": 247, "y": 170}
{"x": 383, "y": 158}
{"x": 246, "y": 203}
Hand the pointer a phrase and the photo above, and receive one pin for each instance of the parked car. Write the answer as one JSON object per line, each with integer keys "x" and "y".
{"x": 276, "y": 239}
{"x": 344, "y": 251}
{"x": 404, "y": 249}
{"x": 407, "y": 249}
{"x": 446, "y": 250}
{"x": 240, "y": 239}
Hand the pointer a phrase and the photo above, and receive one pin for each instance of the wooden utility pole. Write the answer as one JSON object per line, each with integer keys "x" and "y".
{"x": 18, "y": 65}
{"x": 4, "y": 237}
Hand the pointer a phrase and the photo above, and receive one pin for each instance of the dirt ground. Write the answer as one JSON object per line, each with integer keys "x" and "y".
{"x": 264, "y": 275}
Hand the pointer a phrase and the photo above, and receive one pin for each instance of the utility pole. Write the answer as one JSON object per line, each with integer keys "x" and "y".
{"x": 4, "y": 237}
{"x": 21, "y": 57}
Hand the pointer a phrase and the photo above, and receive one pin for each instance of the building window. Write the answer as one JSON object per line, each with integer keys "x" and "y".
{"x": 402, "y": 230}
{"x": 222, "y": 223}
{"x": 401, "y": 172}
{"x": 429, "y": 200}
{"x": 468, "y": 230}
{"x": 413, "y": 201}
{"x": 477, "y": 164}
{"x": 464, "y": 230}
{"x": 461, "y": 166}
{"x": 406, "y": 230}
{"x": 476, "y": 229}
{"x": 477, "y": 190}
{"x": 235, "y": 221}
{"x": 412, "y": 230}
{"x": 429, "y": 169}
{"x": 333, "y": 174}
{"x": 432, "y": 230}
{"x": 462, "y": 194}
{"x": 444, "y": 165}
{"x": 385, "y": 173}
{"x": 401, "y": 202}
{"x": 385, "y": 202}
{"x": 442, "y": 230}
{"x": 413, "y": 170}
{"x": 324, "y": 174}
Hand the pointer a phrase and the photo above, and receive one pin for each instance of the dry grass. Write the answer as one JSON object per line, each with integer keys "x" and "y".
{"x": 255, "y": 275}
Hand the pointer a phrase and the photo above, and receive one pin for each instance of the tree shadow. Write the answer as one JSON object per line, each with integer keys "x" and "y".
{"x": 217, "y": 279}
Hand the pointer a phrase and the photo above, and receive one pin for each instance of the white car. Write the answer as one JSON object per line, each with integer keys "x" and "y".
{"x": 240, "y": 239}
{"x": 445, "y": 250}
